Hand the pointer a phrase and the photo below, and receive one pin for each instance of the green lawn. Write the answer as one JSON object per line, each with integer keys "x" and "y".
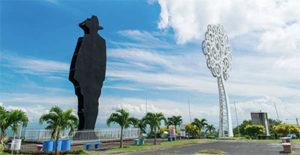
{"x": 150, "y": 146}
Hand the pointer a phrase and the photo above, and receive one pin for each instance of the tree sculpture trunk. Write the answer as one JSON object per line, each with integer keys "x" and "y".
{"x": 154, "y": 136}
{"x": 121, "y": 138}
{"x": 56, "y": 144}
{"x": 224, "y": 110}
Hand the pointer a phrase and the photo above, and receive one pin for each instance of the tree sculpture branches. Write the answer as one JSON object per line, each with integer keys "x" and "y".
{"x": 217, "y": 51}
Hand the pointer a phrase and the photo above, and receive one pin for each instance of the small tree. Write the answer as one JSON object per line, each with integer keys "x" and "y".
{"x": 254, "y": 130}
{"x": 210, "y": 129}
{"x": 141, "y": 124}
{"x": 59, "y": 120}
{"x": 169, "y": 122}
{"x": 122, "y": 118}
{"x": 177, "y": 121}
{"x": 199, "y": 123}
{"x": 174, "y": 120}
{"x": 242, "y": 127}
{"x": 191, "y": 129}
{"x": 154, "y": 121}
{"x": 284, "y": 129}
{"x": 272, "y": 124}
{"x": 11, "y": 119}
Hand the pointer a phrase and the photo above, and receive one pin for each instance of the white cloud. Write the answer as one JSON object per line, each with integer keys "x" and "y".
{"x": 251, "y": 75}
{"x": 33, "y": 65}
{"x": 184, "y": 70}
{"x": 143, "y": 39}
{"x": 139, "y": 35}
{"x": 122, "y": 88}
{"x": 46, "y": 99}
{"x": 286, "y": 111}
{"x": 137, "y": 107}
{"x": 33, "y": 113}
{"x": 276, "y": 23}
{"x": 281, "y": 39}
{"x": 156, "y": 60}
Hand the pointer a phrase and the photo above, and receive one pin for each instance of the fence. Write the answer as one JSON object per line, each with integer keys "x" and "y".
{"x": 104, "y": 134}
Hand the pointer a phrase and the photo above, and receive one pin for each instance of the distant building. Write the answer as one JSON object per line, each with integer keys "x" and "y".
{"x": 261, "y": 118}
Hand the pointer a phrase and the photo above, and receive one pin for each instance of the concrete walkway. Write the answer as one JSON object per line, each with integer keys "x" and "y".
{"x": 229, "y": 147}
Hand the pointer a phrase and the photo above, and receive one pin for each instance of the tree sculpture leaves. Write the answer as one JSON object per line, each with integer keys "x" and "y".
{"x": 217, "y": 51}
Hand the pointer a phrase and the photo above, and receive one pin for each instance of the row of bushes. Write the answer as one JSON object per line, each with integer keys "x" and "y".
{"x": 277, "y": 129}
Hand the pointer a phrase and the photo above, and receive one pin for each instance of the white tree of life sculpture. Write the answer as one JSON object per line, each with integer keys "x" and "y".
{"x": 217, "y": 51}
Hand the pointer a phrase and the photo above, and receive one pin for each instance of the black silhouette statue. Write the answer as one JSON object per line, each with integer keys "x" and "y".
{"x": 87, "y": 72}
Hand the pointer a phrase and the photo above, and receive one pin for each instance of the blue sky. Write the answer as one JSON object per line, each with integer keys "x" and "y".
{"x": 154, "y": 52}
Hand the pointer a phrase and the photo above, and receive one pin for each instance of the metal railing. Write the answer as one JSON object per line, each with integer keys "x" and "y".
{"x": 103, "y": 134}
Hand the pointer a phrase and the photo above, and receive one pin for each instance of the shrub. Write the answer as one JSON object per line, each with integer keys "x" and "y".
{"x": 242, "y": 128}
{"x": 254, "y": 130}
{"x": 283, "y": 129}
{"x": 192, "y": 130}
{"x": 215, "y": 134}
{"x": 164, "y": 128}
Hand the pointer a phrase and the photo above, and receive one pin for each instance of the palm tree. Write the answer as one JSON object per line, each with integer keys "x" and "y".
{"x": 200, "y": 123}
{"x": 59, "y": 120}
{"x": 154, "y": 121}
{"x": 169, "y": 122}
{"x": 11, "y": 119}
{"x": 177, "y": 120}
{"x": 141, "y": 124}
{"x": 122, "y": 118}
{"x": 210, "y": 128}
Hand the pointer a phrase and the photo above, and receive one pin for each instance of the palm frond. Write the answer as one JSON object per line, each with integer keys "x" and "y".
{"x": 58, "y": 120}
{"x": 56, "y": 110}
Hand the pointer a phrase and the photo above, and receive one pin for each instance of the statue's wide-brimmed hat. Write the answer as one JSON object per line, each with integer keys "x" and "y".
{"x": 95, "y": 19}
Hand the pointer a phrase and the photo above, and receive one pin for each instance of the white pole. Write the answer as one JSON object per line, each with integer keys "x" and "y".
{"x": 189, "y": 110}
{"x": 237, "y": 121}
{"x": 276, "y": 110}
{"x": 146, "y": 103}
{"x": 229, "y": 122}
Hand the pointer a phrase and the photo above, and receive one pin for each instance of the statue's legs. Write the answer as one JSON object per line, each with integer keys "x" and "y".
{"x": 80, "y": 110}
{"x": 90, "y": 112}
{"x": 87, "y": 112}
